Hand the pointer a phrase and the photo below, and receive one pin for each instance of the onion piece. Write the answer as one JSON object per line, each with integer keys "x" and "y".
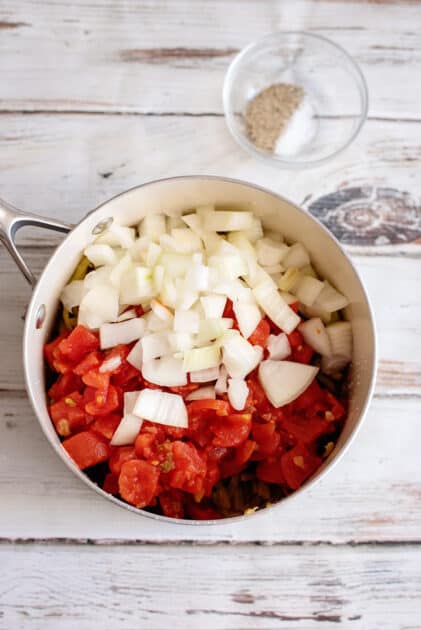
{"x": 152, "y": 226}
{"x": 340, "y": 337}
{"x": 155, "y": 345}
{"x": 221, "y": 384}
{"x": 213, "y": 305}
{"x": 101, "y": 255}
{"x": 135, "y": 356}
{"x": 130, "y": 424}
{"x": 284, "y": 381}
{"x": 194, "y": 223}
{"x": 210, "y": 329}
{"x": 205, "y": 376}
{"x": 226, "y": 221}
{"x": 166, "y": 372}
{"x": 315, "y": 335}
{"x": 162, "y": 408}
{"x": 203, "y": 393}
{"x": 278, "y": 347}
{"x": 239, "y": 356}
{"x": 201, "y": 358}
{"x": 98, "y": 306}
{"x": 180, "y": 341}
{"x": 72, "y": 294}
{"x": 187, "y": 242}
{"x": 120, "y": 270}
{"x": 175, "y": 265}
{"x": 270, "y": 252}
{"x": 168, "y": 295}
{"x": 238, "y": 392}
{"x": 117, "y": 236}
{"x": 162, "y": 312}
{"x": 248, "y": 317}
{"x": 136, "y": 286}
{"x": 308, "y": 289}
{"x": 186, "y": 321}
{"x": 329, "y": 299}
{"x": 297, "y": 256}
{"x": 111, "y": 335}
{"x": 110, "y": 364}
{"x": 275, "y": 307}
{"x": 289, "y": 279}
{"x": 153, "y": 253}
{"x": 129, "y": 314}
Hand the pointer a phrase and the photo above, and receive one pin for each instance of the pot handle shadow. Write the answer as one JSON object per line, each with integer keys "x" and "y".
{"x": 11, "y": 220}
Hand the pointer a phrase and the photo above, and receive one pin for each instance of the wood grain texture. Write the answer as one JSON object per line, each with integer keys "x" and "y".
{"x": 64, "y": 165}
{"x": 399, "y": 345}
{"x": 159, "y": 56}
{"x": 373, "y": 494}
{"x": 216, "y": 589}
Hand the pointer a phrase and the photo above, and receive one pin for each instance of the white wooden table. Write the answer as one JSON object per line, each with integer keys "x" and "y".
{"x": 99, "y": 95}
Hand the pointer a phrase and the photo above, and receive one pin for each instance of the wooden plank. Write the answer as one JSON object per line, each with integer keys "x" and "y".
{"x": 160, "y": 56}
{"x": 397, "y": 316}
{"x": 215, "y": 589}
{"x": 372, "y": 495}
{"x": 64, "y": 165}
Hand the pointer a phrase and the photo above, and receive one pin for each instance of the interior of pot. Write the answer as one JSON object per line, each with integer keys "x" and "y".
{"x": 175, "y": 196}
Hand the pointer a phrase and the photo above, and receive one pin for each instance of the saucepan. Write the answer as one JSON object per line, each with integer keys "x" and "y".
{"x": 173, "y": 196}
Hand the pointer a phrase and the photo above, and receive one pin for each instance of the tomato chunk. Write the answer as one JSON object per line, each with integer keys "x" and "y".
{"x": 87, "y": 449}
{"x": 106, "y": 425}
{"x": 120, "y": 455}
{"x": 298, "y": 464}
{"x": 78, "y": 344}
{"x": 232, "y": 430}
{"x": 138, "y": 482}
{"x": 189, "y": 468}
{"x": 260, "y": 335}
{"x": 68, "y": 414}
{"x": 64, "y": 385}
{"x": 102, "y": 405}
{"x": 270, "y": 470}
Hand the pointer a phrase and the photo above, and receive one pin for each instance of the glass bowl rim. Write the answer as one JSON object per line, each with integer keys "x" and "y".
{"x": 241, "y": 139}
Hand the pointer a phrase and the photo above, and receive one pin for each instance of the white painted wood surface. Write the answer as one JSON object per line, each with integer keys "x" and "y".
{"x": 118, "y": 93}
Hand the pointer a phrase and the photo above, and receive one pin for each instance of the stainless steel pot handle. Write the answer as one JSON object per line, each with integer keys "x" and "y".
{"x": 11, "y": 220}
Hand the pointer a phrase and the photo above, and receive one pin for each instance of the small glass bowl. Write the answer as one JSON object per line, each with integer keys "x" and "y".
{"x": 333, "y": 83}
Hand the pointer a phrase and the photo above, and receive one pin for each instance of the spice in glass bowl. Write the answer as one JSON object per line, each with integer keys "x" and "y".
{"x": 280, "y": 119}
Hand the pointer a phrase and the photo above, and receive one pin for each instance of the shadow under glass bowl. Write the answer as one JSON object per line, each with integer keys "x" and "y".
{"x": 332, "y": 81}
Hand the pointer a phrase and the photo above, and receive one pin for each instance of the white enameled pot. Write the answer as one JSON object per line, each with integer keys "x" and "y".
{"x": 174, "y": 196}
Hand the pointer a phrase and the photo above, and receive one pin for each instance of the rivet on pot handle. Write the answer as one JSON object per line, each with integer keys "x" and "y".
{"x": 11, "y": 220}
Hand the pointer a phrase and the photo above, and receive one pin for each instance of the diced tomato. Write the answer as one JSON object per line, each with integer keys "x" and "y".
{"x": 220, "y": 407}
{"x": 87, "y": 449}
{"x": 138, "y": 482}
{"x": 119, "y": 455}
{"x": 305, "y": 428}
{"x": 172, "y": 504}
{"x": 68, "y": 414}
{"x": 90, "y": 362}
{"x": 106, "y": 425}
{"x": 64, "y": 385}
{"x": 266, "y": 437}
{"x": 301, "y": 354}
{"x": 260, "y": 335}
{"x": 312, "y": 395}
{"x": 110, "y": 483}
{"x": 229, "y": 310}
{"x": 146, "y": 445}
{"x": 189, "y": 468}
{"x": 127, "y": 377}
{"x": 244, "y": 452}
{"x": 80, "y": 342}
{"x": 298, "y": 464}
{"x": 232, "y": 430}
{"x": 294, "y": 306}
{"x": 257, "y": 397}
{"x": 97, "y": 380}
{"x": 50, "y": 349}
{"x": 270, "y": 470}
{"x": 101, "y": 405}
{"x": 138, "y": 310}
{"x": 335, "y": 407}
{"x": 202, "y": 513}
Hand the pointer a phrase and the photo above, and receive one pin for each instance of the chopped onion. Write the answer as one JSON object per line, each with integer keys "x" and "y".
{"x": 166, "y": 372}
{"x": 238, "y": 392}
{"x": 174, "y": 222}
{"x": 186, "y": 296}
{"x": 297, "y": 256}
{"x": 284, "y": 381}
{"x": 162, "y": 408}
{"x": 111, "y": 335}
{"x": 186, "y": 321}
{"x": 330, "y": 299}
{"x": 175, "y": 265}
{"x": 270, "y": 252}
{"x": 315, "y": 335}
{"x": 227, "y": 221}
{"x": 152, "y": 226}
{"x": 315, "y": 311}
{"x": 228, "y": 267}
{"x": 273, "y": 269}
{"x": 275, "y": 307}
{"x": 155, "y": 323}
{"x": 125, "y": 315}
{"x": 72, "y": 294}
{"x": 121, "y": 268}
{"x": 97, "y": 278}
{"x": 213, "y": 305}
{"x": 187, "y": 242}
{"x": 197, "y": 278}
{"x": 248, "y": 317}
{"x": 254, "y": 232}
{"x": 201, "y": 358}
{"x": 210, "y": 329}
{"x": 153, "y": 253}
{"x": 168, "y": 295}
{"x": 130, "y": 424}
{"x": 161, "y": 311}
{"x": 136, "y": 286}
{"x": 308, "y": 289}
{"x": 180, "y": 341}
{"x": 340, "y": 337}
{"x": 203, "y": 393}
{"x": 101, "y": 255}
{"x": 138, "y": 250}
{"x": 158, "y": 277}
{"x": 135, "y": 356}
{"x": 221, "y": 384}
{"x": 278, "y": 347}
{"x": 239, "y": 356}
{"x": 155, "y": 345}
{"x": 110, "y": 364}
{"x": 117, "y": 236}
{"x": 289, "y": 279}
{"x": 98, "y": 306}
{"x": 205, "y": 376}
{"x": 194, "y": 223}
